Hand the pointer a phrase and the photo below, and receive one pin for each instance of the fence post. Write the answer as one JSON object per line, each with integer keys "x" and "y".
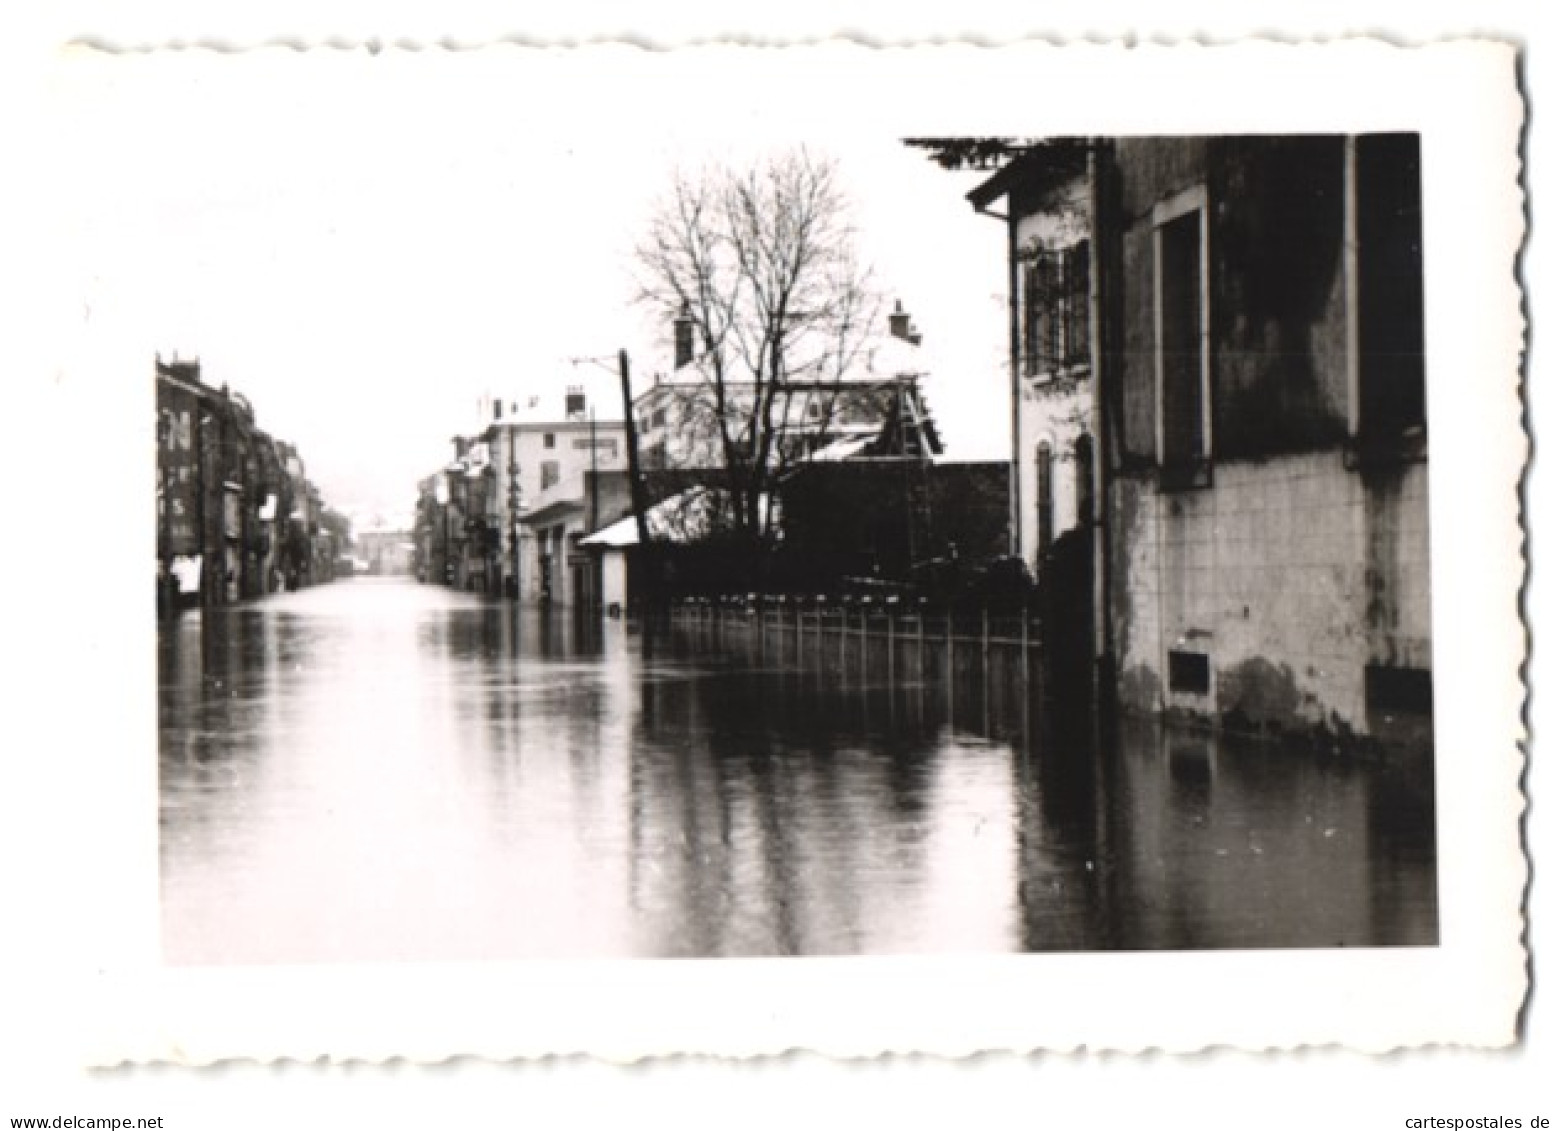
{"x": 1023, "y": 645}
{"x": 892, "y": 649}
{"x": 861, "y": 644}
{"x": 985, "y": 640}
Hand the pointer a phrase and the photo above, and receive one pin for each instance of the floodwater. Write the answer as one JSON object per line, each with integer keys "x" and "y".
{"x": 377, "y": 770}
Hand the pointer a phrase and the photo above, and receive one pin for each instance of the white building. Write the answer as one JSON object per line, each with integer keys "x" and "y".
{"x": 815, "y": 414}
{"x": 1047, "y": 204}
{"x": 558, "y": 468}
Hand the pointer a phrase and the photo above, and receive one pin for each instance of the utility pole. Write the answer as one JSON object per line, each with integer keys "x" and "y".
{"x": 636, "y": 486}
{"x": 595, "y": 476}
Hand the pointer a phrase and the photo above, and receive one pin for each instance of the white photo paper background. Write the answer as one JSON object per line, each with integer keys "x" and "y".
{"x": 151, "y": 142}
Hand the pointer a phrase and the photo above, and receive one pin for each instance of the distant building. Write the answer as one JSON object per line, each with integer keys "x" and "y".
{"x": 508, "y": 512}
{"x": 819, "y": 416}
{"x": 237, "y": 517}
{"x": 383, "y": 548}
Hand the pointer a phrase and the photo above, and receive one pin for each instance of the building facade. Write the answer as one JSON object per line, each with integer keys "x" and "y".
{"x": 237, "y": 517}
{"x": 686, "y": 419}
{"x": 506, "y": 515}
{"x": 1256, "y": 373}
{"x": 1046, "y": 199}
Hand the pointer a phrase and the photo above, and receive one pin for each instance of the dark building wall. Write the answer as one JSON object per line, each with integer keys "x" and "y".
{"x": 1155, "y": 167}
{"x": 1278, "y": 321}
{"x": 1275, "y": 283}
{"x": 613, "y": 497}
{"x": 868, "y": 517}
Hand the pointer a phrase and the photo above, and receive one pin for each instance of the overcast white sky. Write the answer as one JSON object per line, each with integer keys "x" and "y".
{"x": 364, "y": 245}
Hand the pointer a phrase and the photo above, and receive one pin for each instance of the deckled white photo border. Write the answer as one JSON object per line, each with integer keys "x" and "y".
{"x": 124, "y": 1005}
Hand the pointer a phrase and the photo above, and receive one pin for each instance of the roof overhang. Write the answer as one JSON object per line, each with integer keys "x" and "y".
{"x": 1046, "y": 163}
{"x": 553, "y": 512}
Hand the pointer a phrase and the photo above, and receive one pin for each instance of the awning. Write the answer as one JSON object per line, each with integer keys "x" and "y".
{"x": 553, "y": 512}
{"x": 623, "y": 532}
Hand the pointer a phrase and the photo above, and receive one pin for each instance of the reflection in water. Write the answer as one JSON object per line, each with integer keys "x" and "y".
{"x": 376, "y": 770}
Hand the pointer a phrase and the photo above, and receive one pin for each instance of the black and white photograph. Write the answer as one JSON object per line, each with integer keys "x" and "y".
{"x": 739, "y": 550}
{"x": 719, "y": 646}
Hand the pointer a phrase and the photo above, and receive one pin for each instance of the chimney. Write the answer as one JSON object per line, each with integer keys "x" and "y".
{"x": 900, "y": 327}
{"x": 682, "y": 339}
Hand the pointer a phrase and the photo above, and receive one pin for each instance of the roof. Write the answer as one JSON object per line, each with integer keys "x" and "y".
{"x": 884, "y": 359}
{"x": 679, "y": 519}
{"x": 895, "y": 357}
{"x": 843, "y": 448}
{"x": 545, "y": 409}
{"x": 1050, "y": 160}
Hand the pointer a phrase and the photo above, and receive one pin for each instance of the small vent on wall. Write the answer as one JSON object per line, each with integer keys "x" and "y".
{"x": 1189, "y": 673}
{"x": 1404, "y": 690}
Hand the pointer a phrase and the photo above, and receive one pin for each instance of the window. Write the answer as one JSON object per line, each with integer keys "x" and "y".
{"x": 1389, "y": 289}
{"x": 549, "y": 473}
{"x": 1044, "y": 521}
{"x": 608, "y": 448}
{"x": 1056, "y": 311}
{"x": 549, "y": 440}
{"x": 1403, "y": 690}
{"x": 1083, "y": 458}
{"x": 1189, "y": 673}
{"x": 1181, "y": 340}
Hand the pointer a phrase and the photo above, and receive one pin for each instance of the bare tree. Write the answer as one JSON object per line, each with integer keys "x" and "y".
{"x": 761, "y": 261}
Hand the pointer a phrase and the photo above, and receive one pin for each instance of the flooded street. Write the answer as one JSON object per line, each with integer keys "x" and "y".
{"x": 377, "y": 770}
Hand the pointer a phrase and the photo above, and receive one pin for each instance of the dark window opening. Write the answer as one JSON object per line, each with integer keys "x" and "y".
{"x": 1405, "y": 690}
{"x": 1189, "y": 673}
{"x": 1182, "y": 364}
{"x": 1083, "y": 453}
{"x": 1391, "y": 292}
{"x": 549, "y": 440}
